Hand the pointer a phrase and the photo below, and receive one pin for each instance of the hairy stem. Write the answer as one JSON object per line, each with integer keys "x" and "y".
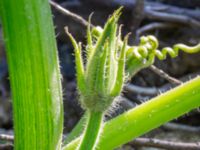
{"x": 92, "y": 131}
{"x": 34, "y": 74}
{"x": 147, "y": 116}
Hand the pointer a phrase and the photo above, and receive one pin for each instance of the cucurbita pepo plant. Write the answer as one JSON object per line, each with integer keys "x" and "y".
{"x": 110, "y": 62}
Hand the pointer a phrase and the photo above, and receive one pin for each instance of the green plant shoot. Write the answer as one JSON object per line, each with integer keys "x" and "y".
{"x": 101, "y": 79}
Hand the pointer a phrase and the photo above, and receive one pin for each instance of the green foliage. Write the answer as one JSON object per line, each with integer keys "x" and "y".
{"x": 34, "y": 74}
{"x": 36, "y": 87}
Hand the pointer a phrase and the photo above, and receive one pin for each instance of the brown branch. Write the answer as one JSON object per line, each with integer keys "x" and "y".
{"x": 150, "y": 142}
{"x": 66, "y": 12}
{"x": 164, "y": 75}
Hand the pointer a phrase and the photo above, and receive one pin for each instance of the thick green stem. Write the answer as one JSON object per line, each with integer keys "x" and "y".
{"x": 92, "y": 131}
{"x": 147, "y": 116}
{"x": 34, "y": 74}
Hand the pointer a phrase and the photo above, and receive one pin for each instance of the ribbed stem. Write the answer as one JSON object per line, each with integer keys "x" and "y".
{"x": 34, "y": 74}
{"x": 92, "y": 131}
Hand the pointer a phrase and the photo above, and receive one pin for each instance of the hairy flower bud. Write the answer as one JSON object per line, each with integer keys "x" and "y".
{"x": 102, "y": 78}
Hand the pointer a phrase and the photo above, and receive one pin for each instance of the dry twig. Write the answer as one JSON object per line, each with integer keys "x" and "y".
{"x": 164, "y": 75}
{"x": 69, "y": 13}
{"x": 149, "y": 142}
{"x": 150, "y": 91}
{"x": 5, "y": 137}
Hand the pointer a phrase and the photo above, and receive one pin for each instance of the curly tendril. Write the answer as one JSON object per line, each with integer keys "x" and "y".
{"x": 173, "y": 52}
{"x": 143, "y": 55}
{"x": 149, "y": 44}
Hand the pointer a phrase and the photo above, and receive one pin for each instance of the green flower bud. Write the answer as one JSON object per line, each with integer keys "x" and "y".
{"x": 102, "y": 77}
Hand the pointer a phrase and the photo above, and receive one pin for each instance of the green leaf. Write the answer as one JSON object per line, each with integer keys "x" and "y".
{"x": 34, "y": 74}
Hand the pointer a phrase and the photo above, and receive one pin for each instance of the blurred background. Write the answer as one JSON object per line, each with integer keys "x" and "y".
{"x": 171, "y": 21}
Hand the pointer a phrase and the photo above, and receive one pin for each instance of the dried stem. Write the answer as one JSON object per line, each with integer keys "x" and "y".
{"x": 150, "y": 142}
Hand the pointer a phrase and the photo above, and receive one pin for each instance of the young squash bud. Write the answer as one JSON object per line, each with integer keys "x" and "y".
{"x": 102, "y": 78}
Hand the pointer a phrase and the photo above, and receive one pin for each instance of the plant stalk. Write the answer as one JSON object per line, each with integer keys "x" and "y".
{"x": 92, "y": 131}
{"x": 34, "y": 74}
{"x": 147, "y": 116}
